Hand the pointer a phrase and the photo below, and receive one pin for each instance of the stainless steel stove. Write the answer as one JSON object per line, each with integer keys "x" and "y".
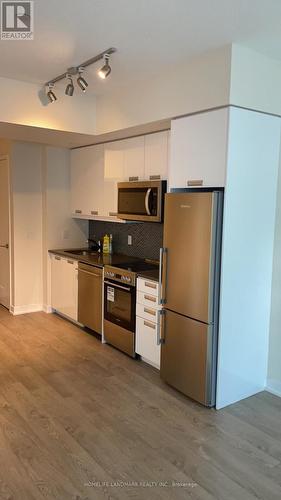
{"x": 120, "y": 303}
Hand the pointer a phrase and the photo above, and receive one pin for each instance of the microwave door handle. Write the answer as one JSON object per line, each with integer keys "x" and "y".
{"x": 147, "y": 201}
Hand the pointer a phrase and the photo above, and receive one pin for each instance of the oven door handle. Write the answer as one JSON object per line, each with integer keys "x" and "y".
{"x": 117, "y": 286}
{"x": 147, "y": 201}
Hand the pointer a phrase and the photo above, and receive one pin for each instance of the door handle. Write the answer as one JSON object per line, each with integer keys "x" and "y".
{"x": 163, "y": 274}
{"x": 5, "y": 246}
{"x": 161, "y": 330}
{"x": 147, "y": 201}
{"x": 114, "y": 285}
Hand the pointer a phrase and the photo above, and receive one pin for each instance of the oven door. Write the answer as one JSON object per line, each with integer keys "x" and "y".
{"x": 120, "y": 305}
{"x": 140, "y": 201}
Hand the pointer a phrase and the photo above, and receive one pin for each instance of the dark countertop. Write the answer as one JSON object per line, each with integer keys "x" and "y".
{"x": 152, "y": 274}
{"x": 95, "y": 258}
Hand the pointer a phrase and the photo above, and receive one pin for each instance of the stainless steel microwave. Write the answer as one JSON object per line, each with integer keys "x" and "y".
{"x": 141, "y": 201}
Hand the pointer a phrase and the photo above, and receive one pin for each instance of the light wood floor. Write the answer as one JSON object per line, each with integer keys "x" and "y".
{"x": 79, "y": 420}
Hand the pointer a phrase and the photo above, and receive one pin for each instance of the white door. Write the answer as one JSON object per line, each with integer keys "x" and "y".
{"x": 4, "y": 233}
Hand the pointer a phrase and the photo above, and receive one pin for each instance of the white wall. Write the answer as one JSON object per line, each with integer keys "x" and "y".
{"x": 247, "y": 254}
{"x": 26, "y": 177}
{"x": 41, "y": 220}
{"x": 20, "y": 103}
{"x": 274, "y": 360}
{"x": 200, "y": 83}
{"x": 59, "y": 229}
{"x": 255, "y": 80}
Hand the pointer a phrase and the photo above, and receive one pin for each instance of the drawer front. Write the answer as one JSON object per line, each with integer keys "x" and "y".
{"x": 148, "y": 286}
{"x": 146, "y": 341}
{"x": 147, "y": 300}
{"x": 147, "y": 312}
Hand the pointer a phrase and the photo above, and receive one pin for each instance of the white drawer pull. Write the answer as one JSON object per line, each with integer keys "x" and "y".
{"x": 150, "y": 325}
{"x": 151, "y": 299}
{"x": 150, "y": 311}
{"x": 150, "y": 285}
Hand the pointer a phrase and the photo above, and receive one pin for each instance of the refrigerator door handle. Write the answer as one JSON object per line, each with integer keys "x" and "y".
{"x": 163, "y": 274}
{"x": 161, "y": 328}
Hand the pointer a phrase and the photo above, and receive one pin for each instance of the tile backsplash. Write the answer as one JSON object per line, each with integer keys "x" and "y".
{"x": 147, "y": 237}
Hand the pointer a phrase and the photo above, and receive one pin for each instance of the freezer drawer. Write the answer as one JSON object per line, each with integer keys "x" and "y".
{"x": 186, "y": 357}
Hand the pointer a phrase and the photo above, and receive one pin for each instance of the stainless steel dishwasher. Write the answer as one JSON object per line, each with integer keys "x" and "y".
{"x": 90, "y": 289}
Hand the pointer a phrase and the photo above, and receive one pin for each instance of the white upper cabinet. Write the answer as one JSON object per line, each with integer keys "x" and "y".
{"x": 96, "y": 171}
{"x": 133, "y": 158}
{"x": 199, "y": 150}
{"x": 156, "y": 155}
{"x": 114, "y": 160}
{"x": 87, "y": 176}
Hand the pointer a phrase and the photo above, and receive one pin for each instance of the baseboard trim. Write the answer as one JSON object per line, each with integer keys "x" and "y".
{"x": 31, "y": 308}
{"x": 274, "y": 387}
{"x": 47, "y": 309}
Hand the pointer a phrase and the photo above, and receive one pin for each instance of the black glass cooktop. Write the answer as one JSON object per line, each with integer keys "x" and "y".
{"x": 137, "y": 266}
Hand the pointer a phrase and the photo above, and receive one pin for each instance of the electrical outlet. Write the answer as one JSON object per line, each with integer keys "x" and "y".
{"x": 130, "y": 240}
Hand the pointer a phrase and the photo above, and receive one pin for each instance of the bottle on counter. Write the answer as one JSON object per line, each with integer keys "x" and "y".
{"x": 110, "y": 244}
{"x": 105, "y": 247}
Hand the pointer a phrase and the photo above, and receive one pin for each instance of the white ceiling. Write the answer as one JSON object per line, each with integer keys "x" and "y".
{"x": 150, "y": 35}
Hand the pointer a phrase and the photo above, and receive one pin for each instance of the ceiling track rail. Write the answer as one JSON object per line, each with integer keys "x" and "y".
{"x": 75, "y": 69}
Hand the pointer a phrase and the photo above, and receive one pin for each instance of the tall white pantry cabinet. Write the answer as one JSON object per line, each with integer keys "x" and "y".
{"x": 237, "y": 149}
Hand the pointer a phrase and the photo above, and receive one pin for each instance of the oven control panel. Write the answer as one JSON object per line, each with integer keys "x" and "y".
{"x": 120, "y": 275}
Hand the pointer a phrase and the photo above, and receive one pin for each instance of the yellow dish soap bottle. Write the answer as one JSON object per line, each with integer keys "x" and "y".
{"x": 105, "y": 248}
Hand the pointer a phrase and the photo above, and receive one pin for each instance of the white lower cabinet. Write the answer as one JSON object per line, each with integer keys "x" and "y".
{"x": 146, "y": 341}
{"x": 148, "y": 322}
{"x": 64, "y": 286}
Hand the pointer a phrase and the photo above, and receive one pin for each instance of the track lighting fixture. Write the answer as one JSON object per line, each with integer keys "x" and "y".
{"x": 70, "y": 87}
{"x": 81, "y": 81}
{"x": 78, "y": 70}
{"x": 50, "y": 94}
{"x": 106, "y": 69}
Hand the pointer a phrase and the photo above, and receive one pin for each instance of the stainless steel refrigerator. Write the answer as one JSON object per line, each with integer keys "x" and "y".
{"x": 190, "y": 277}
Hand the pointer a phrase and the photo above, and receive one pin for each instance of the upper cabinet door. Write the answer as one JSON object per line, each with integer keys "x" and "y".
{"x": 156, "y": 155}
{"x": 199, "y": 150}
{"x": 87, "y": 170}
{"x": 134, "y": 158}
{"x": 114, "y": 160}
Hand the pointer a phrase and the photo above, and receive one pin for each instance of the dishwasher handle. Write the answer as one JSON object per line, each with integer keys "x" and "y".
{"x": 90, "y": 273}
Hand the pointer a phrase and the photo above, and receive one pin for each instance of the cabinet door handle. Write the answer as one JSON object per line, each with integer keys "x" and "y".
{"x": 154, "y": 177}
{"x": 94, "y": 212}
{"x": 78, "y": 211}
{"x": 57, "y": 258}
{"x": 197, "y": 182}
{"x": 151, "y": 299}
{"x": 150, "y": 325}
{"x": 150, "y": 311}
{"x": 70, "y": 262}
{"x": 150, "y": 285}
{"x": 112, "y": 214}
{"x": 133, "y": 179}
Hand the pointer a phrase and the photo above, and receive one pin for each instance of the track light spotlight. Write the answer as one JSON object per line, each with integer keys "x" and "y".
{"x": 51, "y": 95}
{"x": 81, "y": 81}
{"x": 106, "y": 69}
{"x": 70, "y": 87}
